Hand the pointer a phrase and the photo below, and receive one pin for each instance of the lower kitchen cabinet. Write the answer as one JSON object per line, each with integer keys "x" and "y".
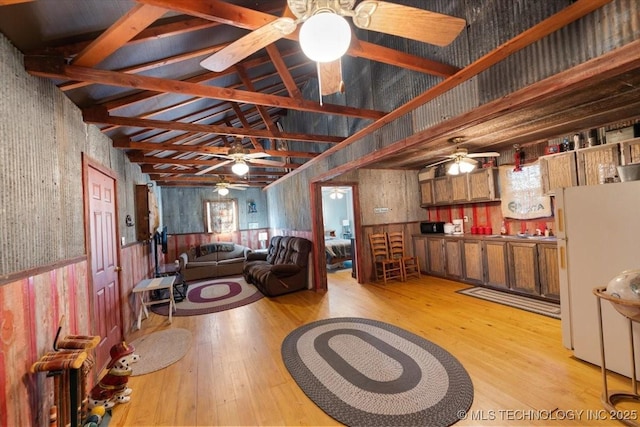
{"x": 523, "y": 267}
{"x": 435, "y": 256}
{"x": 472, "y": 261}
{"x": 549, "y": 273}
{"x": 453, "y": 255}
{"x": 420, "y": 251}
{"x": 495, "y": 263}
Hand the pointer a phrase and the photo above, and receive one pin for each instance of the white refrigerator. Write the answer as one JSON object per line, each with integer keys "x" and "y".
{"x": 598, "y": 230}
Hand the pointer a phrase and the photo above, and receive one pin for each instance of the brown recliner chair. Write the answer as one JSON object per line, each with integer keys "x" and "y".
{"x": 283, "y": 269}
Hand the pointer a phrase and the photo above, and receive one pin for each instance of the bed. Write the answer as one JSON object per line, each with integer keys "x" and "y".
{"x": 337, "y": 250}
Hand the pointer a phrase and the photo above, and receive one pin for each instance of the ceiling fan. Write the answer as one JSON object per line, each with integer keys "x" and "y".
{"x": 336, "y": 192}
{"x": 240, "y": 156}
{"x": 223, "y": 186}
{"x": 461, "y": 161}
{"x": 325, "y": 35}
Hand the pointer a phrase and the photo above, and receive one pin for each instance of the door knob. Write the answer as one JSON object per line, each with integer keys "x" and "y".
{"x": 117, "y": 268}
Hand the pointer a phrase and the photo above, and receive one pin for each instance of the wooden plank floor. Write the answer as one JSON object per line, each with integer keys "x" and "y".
{"x": 233, "y": 373}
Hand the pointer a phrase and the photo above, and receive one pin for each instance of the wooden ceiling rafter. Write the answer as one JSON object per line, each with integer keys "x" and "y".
{"x": 132, "y": 23}
{"x": 251, "y": 19}
{"x": 56, "y": 68}
{"x": 97, "y": 115}
{"x": 204, "y": 77}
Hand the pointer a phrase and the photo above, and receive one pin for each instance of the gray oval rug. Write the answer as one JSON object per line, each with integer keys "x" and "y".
{"x": 160, "y": 349}
{"x": 366, "y": 372}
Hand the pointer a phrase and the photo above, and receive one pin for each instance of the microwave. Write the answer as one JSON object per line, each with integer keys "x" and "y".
{"x": 431, "y": 227}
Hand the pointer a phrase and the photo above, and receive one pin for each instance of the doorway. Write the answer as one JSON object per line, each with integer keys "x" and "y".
{"x": 102, "y": 243}
{"x": 338, "y": 227}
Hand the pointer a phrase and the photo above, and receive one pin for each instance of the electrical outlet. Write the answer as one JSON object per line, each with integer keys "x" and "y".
{"x": 465, "y": 218}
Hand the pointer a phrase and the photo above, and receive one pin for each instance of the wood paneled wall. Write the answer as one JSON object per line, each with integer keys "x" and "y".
{"x": 31, "y": 307}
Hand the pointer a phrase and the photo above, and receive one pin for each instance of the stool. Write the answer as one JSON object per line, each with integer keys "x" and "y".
{"x": 144, "y": 288}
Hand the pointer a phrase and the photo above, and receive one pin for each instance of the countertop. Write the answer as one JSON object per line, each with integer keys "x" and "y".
{"x": 510, "y": 237}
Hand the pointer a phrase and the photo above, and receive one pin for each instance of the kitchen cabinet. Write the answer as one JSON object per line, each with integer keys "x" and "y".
{"x": 523, "y": 267}
{"x": 453, "y": 257}
{"x": 472, "y": 264}
{"x": 483, "y": 185}
{"x": 435, "y": 256}
{"x": 590, "y": 160}
{"x": 420, "y": 251}
{"x": 630, "y": 151}
{"x": 496, "y": 263}
{"x": 441, "y": 190}
{"x": 426, "y": 193}
{"x": 459, "y": 188}
{"x": 548, "y": 270}
{"x": 558, "y": 171}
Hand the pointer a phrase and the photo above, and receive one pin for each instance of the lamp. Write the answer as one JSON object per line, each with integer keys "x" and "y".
{"x": 223, "y": 191}
{"x": 240, "y": 167}
{"x": 262, "y": 237}
{"x": 325, "y": 37}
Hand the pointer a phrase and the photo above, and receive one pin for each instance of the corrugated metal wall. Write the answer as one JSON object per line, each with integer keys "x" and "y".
{"x": 490, "y": 23}
{"x": 42, "y": 138}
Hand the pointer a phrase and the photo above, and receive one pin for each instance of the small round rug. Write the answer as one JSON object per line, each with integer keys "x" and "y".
{"x": 211, "y": 296}
{"x": 160, "y": 349}
{"x": 364, "y": 372}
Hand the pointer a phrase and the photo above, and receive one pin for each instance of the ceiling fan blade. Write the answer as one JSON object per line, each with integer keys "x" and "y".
{"x": 238, "y": 187}
{"x": 251, "y": 43}
{"x": 330, "y": 77}
{"x": 266, "y": 162}
{"x": 210, "y": 168}
{"x": 257, "y": 155}
{"x": 408, "y": 22}
{"x": 439, "y": 162}
{"x": 486, "y": 154}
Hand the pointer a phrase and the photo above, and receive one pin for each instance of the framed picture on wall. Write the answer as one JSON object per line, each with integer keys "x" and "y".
{"x": 221, "y": 216}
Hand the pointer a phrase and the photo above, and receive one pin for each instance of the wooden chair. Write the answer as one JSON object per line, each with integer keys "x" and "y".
{"x": 386, "y": 268}
{"x": 410, "y": 264}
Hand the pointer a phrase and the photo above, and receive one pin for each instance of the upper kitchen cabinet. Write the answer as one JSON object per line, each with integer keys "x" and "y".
{"x": 477, "y": 186}
{"x": 483, "y": 185}
{"x": 442, "y": 190}
{"x": 597, "y": 165}
{"x": 630, "y": 150}
{"x": 558, "y": 171}
{"x": 426, "y": 193}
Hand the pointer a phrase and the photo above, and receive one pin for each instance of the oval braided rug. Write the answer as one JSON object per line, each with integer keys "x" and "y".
{"x": 366, "y": 372}
{"x": 211, "y": 296}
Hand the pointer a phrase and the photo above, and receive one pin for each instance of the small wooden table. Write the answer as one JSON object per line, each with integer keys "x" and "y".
{"x": 144, "y": 288}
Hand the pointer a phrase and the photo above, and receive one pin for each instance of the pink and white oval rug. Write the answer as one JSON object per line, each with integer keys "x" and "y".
{"x": 211, "y": 296}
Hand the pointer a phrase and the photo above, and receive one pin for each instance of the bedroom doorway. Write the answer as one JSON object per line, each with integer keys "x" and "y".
{"x": 338, "y": 227}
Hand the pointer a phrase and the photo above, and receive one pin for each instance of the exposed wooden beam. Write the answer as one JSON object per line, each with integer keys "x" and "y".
{"x": 250, "y": 19}
{"x": 56, "y": 68}
{"x": 8, "y": 2}
{"x": 206, "y": 150}
{"x": 125, "y": 28}
{"x": 284, "y": 72}
{"x": 100, "y": 115}
{"x": 128, "y": 100}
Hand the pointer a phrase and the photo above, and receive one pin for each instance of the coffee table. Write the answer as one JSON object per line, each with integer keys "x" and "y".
{"x": 144, "y": 289}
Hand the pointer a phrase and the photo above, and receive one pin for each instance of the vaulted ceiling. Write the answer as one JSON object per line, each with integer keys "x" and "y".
{"x": 133, "y": 67}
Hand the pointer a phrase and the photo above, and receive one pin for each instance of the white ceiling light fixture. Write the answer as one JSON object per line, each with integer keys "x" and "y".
{"x": 240, "y": 168}
{"x": 223, "y": 191}
{"x": 325, "y": 37}
{"x": 461, "y": 165}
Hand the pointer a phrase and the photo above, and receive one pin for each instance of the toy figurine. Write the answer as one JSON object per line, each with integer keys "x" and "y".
{"x": 112, "y": 387}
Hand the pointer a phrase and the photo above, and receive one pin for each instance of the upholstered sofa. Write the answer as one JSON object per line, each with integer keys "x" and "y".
{"x": 213, "y": 260}
{"x": 283, "y": 269}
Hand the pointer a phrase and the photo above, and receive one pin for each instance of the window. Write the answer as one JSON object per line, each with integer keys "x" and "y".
{"x": 221, "y": 216}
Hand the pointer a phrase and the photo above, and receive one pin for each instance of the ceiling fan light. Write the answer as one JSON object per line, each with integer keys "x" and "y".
{"x": 325, "y": 37}
{"x": 453, "y": 169}
{"x": 223, "y": 191}
{"x": 240, "y": 168}
{"x": 467, "y": 165}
